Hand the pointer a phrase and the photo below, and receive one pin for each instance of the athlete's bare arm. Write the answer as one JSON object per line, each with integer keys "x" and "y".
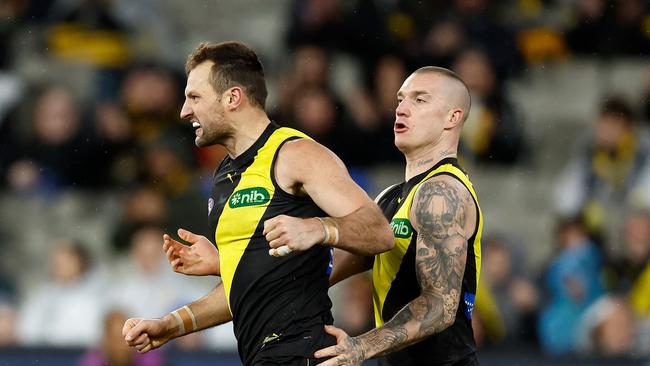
{"x": 444, "y": 215}
{"x": 306, "y": 168}
{"x": 347, "y": 265}
{"x": 147, "y": 334}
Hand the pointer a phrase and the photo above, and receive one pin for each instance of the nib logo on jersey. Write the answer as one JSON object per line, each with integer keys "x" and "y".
{"x": 401, "y": 228}
{"x": 249, "y": 197}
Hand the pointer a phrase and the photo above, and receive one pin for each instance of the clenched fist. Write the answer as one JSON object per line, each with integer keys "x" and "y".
{"x": 147, "y": 334}
{"x": 286, "y": 234}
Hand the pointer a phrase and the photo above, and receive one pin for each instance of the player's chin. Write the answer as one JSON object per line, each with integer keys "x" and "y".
{"x": 206, "y": 140}
{"x": 400, "y": 145}
{"x": 199, "y": 141}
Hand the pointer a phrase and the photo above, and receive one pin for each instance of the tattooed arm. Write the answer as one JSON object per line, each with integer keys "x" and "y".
{"x": 444, "y": 215}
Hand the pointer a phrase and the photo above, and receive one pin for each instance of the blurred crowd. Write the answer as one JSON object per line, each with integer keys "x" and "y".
{"x": 119, "y": 139}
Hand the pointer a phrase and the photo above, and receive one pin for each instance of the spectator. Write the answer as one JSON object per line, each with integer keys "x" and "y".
{"x": 607, "y": 28}
{"x": 590, "y": 29}
{"x": 207, "y": 159}
{"x": 443, "y": 42}
{"x": 508, "y": 301}
{"x": 317, "y": 22}
{"x": 150, "y": 96}
{"x": 374, "y": 113}
{"x": 462, "y": 24}
{"x": 316, "y": 114}
{"x": 142, "y": 206}
{"x": 609, "y": 169}
{"x": 493, "y": 131}
{"x": 634, "y": 268}
{"x": 168, "y": 167}
{"x": 170, "y": 170}
{"x": 8, "y": 324}
{"x": 335, "y": 26}
{"x": 49, "y": 159}
{"x": 112, "y": 349}
{"x": 607, "y": 328}
{"x": 408, "y": 20}
{"x": 67, "y": 309}
{"x": 115, "y": 140}
{"x": 144, "y": 283}
{"x": 309, "y": 70}
{"x": 572, "y": 283}
{"x": 483, "y": 29}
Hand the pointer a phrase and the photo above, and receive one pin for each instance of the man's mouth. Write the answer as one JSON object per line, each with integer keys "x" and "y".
{"x": 400, "y": 127}
{"x": 198, "y": 131}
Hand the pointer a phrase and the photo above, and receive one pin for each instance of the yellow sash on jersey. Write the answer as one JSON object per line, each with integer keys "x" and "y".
{"x": 246, "y": 206}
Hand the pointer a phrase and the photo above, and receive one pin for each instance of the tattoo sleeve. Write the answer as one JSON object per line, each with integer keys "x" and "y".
{"x": 439, "y": 215}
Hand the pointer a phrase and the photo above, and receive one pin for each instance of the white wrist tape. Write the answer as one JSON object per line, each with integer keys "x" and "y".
{"x": 331, "y": 229}
{"x": 186, "y": 320}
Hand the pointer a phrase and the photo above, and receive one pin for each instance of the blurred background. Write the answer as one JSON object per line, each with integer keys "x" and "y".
{"x": 95, "y": 163}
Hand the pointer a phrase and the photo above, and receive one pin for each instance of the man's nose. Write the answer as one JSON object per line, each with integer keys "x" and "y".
{"x": 186, "y": 111}
{"x": 402, "y": 110}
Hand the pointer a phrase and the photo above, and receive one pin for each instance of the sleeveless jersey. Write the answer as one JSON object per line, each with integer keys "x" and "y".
{"x": 271, "y": 299}
{"x": 395, "y": 283}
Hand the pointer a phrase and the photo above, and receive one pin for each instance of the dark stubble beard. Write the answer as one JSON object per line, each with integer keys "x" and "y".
{"x": 218, "y": 133}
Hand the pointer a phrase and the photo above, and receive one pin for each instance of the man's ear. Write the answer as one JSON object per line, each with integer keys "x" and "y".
{"x": 234, "y": 97}
{"x": 454, "y": 118}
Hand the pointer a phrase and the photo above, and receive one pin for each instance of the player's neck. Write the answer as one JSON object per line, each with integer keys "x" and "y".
{"x": 249, "y": 126}
{"x": 421, "y": 160}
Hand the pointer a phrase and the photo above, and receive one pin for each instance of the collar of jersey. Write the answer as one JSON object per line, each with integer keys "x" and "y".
{"x": 250, "y": 153}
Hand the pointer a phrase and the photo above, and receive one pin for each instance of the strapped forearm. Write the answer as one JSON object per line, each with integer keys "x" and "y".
{"x": 209, "y": 311}
{"x": 364, "y": 231}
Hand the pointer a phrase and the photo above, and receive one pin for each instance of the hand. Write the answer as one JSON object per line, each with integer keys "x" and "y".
{"x": 286, "y": 234}
{"x": 347, "y": 351}
{"x": 146, "y": 334}
{"x": 200, "y": 258}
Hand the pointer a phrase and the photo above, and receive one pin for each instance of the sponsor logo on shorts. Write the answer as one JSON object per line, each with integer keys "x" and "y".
{"x": 401, "y": 228}
{"x": 249, "y": 197}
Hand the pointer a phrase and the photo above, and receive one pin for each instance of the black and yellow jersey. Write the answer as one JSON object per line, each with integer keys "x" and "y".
{"x": 395, "y": 283}
{"x": 272, "y": 299}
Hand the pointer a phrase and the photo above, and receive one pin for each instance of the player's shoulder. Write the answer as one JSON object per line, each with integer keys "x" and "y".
{"x": 304, "y": 151}
{"x": 302, "y": 143}
{"x": 447, "y": 186}
{"x": 304, "y": 160}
